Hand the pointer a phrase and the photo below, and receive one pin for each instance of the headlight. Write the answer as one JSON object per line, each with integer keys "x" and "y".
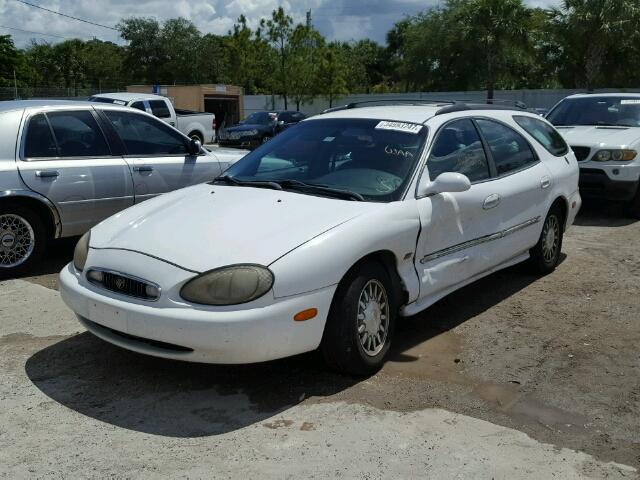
{"x": 81, "y": 251}
{"x": 228, "y": 285}
{"x": 615, "y": 155}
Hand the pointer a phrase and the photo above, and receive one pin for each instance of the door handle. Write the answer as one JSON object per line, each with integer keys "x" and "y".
{"x": 47, "y": 173}
{"x": 545, "y": 182}
{"x": 143, "y": 168}
{"x": 491, "y": 201}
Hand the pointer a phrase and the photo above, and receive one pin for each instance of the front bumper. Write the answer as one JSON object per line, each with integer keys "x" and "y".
{"x": 197, "y": 333}
{"x": 248, "y": 143}
{"x": 601, "y": 183}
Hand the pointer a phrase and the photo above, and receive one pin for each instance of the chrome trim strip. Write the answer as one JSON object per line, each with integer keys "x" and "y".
{"x": 125, "y": 275}
{"x": 478, "y": 241}
{"x": 57, "y": 224}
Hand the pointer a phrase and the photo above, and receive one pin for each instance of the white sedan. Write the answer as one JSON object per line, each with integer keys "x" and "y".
{"x": 323, "y": 236}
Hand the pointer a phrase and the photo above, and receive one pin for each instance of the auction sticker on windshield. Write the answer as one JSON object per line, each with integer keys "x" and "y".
{"x": 399, "y": 126}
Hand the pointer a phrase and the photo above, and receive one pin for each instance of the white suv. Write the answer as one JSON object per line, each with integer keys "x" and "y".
{"x": 604, "y": 132}
{"x": 321, "y": 237}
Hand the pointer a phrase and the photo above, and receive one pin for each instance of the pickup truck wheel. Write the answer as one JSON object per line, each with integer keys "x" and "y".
{"x": 546, "y": 254}
{"x": 361, "y": 322}
{"x": 196, "y": 136}
{"x": 22, "y": 239}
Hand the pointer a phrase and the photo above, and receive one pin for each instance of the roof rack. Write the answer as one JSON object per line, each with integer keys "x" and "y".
{"x": 410, "y": 101}
{"x": 494, "y": 105}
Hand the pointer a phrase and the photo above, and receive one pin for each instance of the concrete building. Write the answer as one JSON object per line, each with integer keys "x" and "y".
{"x": 225, "y": 101}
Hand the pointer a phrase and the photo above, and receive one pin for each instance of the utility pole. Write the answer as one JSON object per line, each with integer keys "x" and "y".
{"x": 15, "y": 85}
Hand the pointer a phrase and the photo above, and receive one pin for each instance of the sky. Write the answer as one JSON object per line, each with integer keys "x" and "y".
{"x": 336, "y": 19}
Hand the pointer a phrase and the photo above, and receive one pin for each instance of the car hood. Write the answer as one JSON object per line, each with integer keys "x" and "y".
{"x": 209, "y": 226}
{"x": 595, "y": 136}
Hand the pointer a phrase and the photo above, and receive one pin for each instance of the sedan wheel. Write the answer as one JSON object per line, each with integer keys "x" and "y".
{"x": 545, "y": 256}
{"x": 373, "y": 317}
{"x": 360, "y": 324}
{"x": 22, "y": 239}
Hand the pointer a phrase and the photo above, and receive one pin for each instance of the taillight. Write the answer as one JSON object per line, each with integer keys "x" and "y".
{"x": 213, "y": 123}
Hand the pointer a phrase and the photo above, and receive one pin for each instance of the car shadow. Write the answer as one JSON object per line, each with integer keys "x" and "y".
{"x": 603, "y": 214}
{"x": 179, "y": 399}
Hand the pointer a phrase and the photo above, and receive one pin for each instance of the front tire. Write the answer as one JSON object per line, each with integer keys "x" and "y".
{"x": 634, "y": 205}
{"x": 361, "y": 321}
{"x": 23, "y": 240}
{"x": 545, "y": 256}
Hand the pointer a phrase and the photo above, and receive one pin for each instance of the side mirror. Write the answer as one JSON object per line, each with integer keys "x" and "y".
{"x": 445, "y": 182}
{"x": 195, "y": 147}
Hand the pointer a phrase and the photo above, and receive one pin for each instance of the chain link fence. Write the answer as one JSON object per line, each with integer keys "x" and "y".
{"x": 24, "y": 93}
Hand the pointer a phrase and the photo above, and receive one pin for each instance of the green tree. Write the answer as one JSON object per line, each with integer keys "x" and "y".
{"x": 145, "y": 51}
{"x": 278, "y": 31}
{"x": 10, "y": 59}
{"x": 595, "y": 34}
{"x": 180, "y": 40}
{"x": 306, "y": 46}
{"x": 331, "y": 74}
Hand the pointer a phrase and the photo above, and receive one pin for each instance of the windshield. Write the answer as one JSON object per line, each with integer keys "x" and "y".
{"x": 371, "y": 158}
{"x": 260, "y": 118}
{"x": 614, "y": 111}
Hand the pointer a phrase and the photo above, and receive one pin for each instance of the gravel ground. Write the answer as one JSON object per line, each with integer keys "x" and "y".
{"x": 511, "y": 377}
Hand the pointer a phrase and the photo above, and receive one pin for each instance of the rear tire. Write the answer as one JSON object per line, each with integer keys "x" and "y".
{"x": 361, "y": 321}
{"x": 23, "y": 240}
{"x": 196, "y": 136}
{"x": 545, "y": 256}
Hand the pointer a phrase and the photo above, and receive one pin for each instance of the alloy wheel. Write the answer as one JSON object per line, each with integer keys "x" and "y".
{"x": 550, "y": 238}
{"x": 373, "y": 317}
{"x": 17, "y": 240}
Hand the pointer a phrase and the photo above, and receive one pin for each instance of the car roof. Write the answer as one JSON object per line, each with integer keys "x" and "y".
{"x": 9, "y": 105}
{"x": 595, "y": 95}
{"x": 400, "y": 113}
{"x": 129, "y": 96}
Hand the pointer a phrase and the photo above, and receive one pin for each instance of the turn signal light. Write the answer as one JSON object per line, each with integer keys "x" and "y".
{"x": 307, "y": 314}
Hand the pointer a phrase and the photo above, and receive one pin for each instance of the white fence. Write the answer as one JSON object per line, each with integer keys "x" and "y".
{"x": 531, "y": 98}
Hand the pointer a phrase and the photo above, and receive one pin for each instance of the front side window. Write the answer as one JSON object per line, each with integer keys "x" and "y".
{"x": 144, "y": 135}
{"x": 509, "y": 149}
{"x": 458, "y": 148}
{"x": 597, "y": 110}
{"x": 545, "y": 134}
{"x": 39, "y": 142}
{"x": 160, "y": 109}
{"x": 372, "y": 158}
{"x": 78, "y": 134}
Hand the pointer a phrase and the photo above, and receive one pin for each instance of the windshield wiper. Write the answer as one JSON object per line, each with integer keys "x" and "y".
{"x": 247, "y": 183}
{"x": 313, "y": 187}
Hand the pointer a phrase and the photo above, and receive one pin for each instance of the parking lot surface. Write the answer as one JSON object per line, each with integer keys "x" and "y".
{"x": 513, "y": 376}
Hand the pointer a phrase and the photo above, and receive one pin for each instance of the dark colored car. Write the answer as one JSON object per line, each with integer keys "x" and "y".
{"x": 257, "y": 128}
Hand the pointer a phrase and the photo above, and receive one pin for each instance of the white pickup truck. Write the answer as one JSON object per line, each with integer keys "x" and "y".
{"x": 197, "y": 125}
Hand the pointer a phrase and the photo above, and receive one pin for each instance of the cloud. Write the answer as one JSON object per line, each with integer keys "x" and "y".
{"x": 336, "y": 19}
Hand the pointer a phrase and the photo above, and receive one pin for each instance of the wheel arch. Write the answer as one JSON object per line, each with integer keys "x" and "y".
{"x": 40, "y": 204}
{"x": 562, "y": 203}
{"x": 388, "y": 260}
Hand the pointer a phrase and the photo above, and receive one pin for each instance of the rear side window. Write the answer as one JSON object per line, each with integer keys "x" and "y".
{"x": 78, "y": 134}
{"x": 143, "y": 135}
{"x": 139, "y": 106}
{"x": 509, "y": 149}
{"x": 545, "y": 135}
{"x": 458, "y": 148}
{"x": 39, "y": 142}
{"x": 160, "y": 109}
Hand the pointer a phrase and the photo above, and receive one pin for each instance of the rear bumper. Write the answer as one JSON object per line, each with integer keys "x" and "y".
{"x": 596, "y": 183}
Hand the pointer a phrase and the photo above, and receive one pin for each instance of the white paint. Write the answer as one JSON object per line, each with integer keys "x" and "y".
{"x": 309, "y": 243}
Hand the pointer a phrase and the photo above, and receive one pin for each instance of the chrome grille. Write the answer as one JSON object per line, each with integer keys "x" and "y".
{"x": 581, "y": 152}
{"x": 124, "y": 284}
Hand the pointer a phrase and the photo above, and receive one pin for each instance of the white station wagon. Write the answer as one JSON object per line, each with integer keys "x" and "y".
{"x": 323, "y": 236}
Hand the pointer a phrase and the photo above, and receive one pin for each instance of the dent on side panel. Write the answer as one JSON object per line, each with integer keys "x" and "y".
{"x": 325, "y": 260}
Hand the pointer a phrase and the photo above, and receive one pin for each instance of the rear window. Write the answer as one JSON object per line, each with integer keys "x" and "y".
{"x": 545, "y": 135}
{"x": 39, "y": 142}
